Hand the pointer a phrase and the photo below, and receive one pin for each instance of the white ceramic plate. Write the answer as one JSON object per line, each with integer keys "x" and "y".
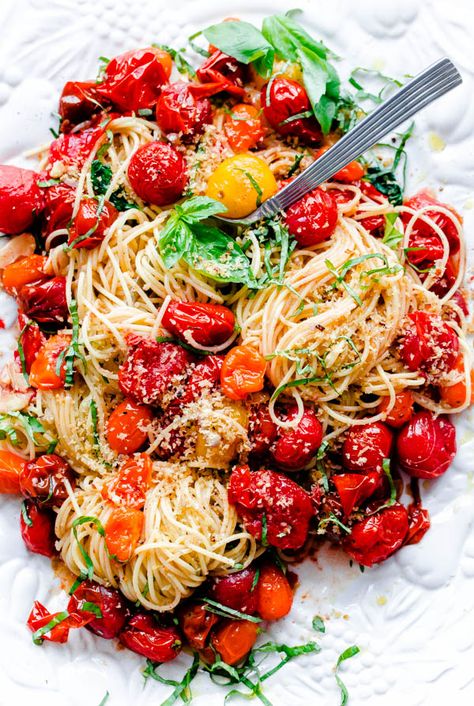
{"x": 413, "y": 617}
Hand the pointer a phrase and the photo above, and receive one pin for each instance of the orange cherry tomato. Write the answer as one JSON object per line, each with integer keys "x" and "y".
{"x": 274, "y": 594}
{"x": 402, "y": 410}
{"x": 123, "y": 531}
{"x": 11, "y": 465}
{"x": 351, "y": 172}
{"x": 243, "y": 127}
{"x": 24, "y": 271}
{"x": 455, "y": 395}
{"x": 43, "y": 369}
{"x": 165, "y": 60}
{"x": 234, "y": 640}
{"x": 129, "y": 486}
{"x": 243, "y": 372}
{"x": 127, "y": 426}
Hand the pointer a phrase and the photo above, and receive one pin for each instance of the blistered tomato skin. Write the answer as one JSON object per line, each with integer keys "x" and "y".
{"x": 281, "y": 100}
{"x": 143, "y": 635}
{"x": 294, "y": 448}
{"x": 262, "y": 430}
{"x": 274, "y": 594}
{"x": 233, "y": 640}
{"x": 74, "y": 148}
{"x": 366, "y": 446}
{"x": 59, "y": 203}
{"x": 179, "y": 111}
{"x": 89, "y": 222}
{"x": 113, "y": 606}
{"x": 449, "y": 224}
{"x": 24, "y": 271}
{"x": 44, "y": 478}
{"x": 312, "y": 219}
{"x": 203, "y": 377}
{"x": 78, "y": 103}
{"x": 42, "y": 373}
{"x": 401, "y": 412}
{"x": 205, "y": 324}
{"x": 150, "y": 370}
{"x": 45, "y": 302}
{"x": 428, "y": 344}
{"x": 21, "y": 199}
{"x": 220, "y": 72}
{"x": 243, "y": 127}
{"x": 426, "y": 446}
{"x": 127, "y": 427}
{"x": 375, "y": 538}
{"x": 236, "y": 591}
{"x": 243, "y": 372}
{"x": 157, "y": 173}
{"x": 31, "y": 339}
{"x": 38, "y": 531}
{"x": 354, "y": 488}
{"x": 196, "y": 622}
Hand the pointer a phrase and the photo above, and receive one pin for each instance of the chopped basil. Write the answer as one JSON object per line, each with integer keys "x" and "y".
{"x": 220, "y": 609}
{"x": 264, "y": 538}
{"x": 182, "y": 688}
{"x": 24, "y": 513}
{"x": 393, "y": 491}
{"x": 332, "y": 518}
{"x": 385, "y": 178}
{"x": 90, "y": 607}
{"x": 255, "y": 581}
{"x": 89, "y": 572}
{"x": 318, "y": 624}
{"x": 295, "y": 166}
{"x": 255, "y": 186}
{"x": 195, "y": 46}
{"x": 94, "y": 419}
{"x": 101, "y": 176}
{"x": 105, "y": 699}
{"x": 31, "y": 425}
{"x": 347, "y": 654}
{"x": 392, "y": 237}
{"x": 37, "y": 636}
{"x": 48, "y": 182}
{"x": 69, "y": 354}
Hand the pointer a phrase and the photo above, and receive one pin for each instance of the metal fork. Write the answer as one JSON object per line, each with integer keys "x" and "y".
{"x": 427, "y": 86}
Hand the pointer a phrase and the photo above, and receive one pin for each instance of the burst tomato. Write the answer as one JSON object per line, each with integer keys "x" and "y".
{"x": 31, "y": 340}
{"x": 449, "y": 224}
{"x": 375, "y": 538}
{"x": 283, "y": 100}
{"x": 127, "y": 427}
{"x": 455, "y": 395}
{"x": 233, "y": 640}
{"x": 274, "y": 594}
{"x": 59, "y": 204}
{"x": 24, "y": 271}
{"x": 428, "y": 344}
{"x": 312, "y": 219}
{"x": 157, "y": 173}
{"x": 40, "y": 617}
{"x": 402, "y": 410}
{"x": 418, "y": 523}
{"x": 143, "y": 635}
{"x": 366, "y": 446}
{"x": 204, "y": 375}
{"x": 237, "y": 590}
{"x": 262, "y": 430}
{"x": 112, "y": 605}
{"x": 123, "y": 531}
{"x": 426, "y": 445}
{"x": 79, "y": 101}
{"x": 90, "y": 227}
{"x": 43, "y": 373}
{"x": 129, "y": 486}
{"x": 354, "y": 488}
{"x": 243, "y": 372}
{"x": 45, "y": 302}
{"x": 179, "y": 111}
{"x": 243, "y": 127}
{"x": 220, "y": 72}
{"x": 205, "y": 324}
{"x": 294, "y": 448}
{"x": 74, "y": 148}
{"x": 11, "y": 465}
{"x": 37, "y": 530}
{"x": 196, "y": 623}
{"x": 21, "y": 199}
{"x": 44, "y": 478}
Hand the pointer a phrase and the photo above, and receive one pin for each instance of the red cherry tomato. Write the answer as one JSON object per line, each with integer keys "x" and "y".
{"x": 151, "y": 368}
{"x": 129, "y": 486}
{"x": 59, "y": 203}
{"x": 366, "y": 446}
{"x": 133, "y": 80}
{"x": 375, "y": 538}
{"x": 43, "y": 479}
{"x": 428, "y": 344}
{"x": 127, "y": 427}
{"x": 179, "y": 111}
{"x": 274, "y": 594}
{"x": 204, "y": 376}
{"x": 43, "y": 368}
{"x": 11, "y": 466}
{"x": 236, "y": 590}
{"x": 262, "y": 430}
{"x": 243, "y": 127}
{"x": 233, "y": 640}
{"x": 374, "y": 224}
{"x": 282, "y": 99}
{"x": 89, "y": 227}
{"x": 205, "y": 324}
{"x": 21, "y": 199}
{"x": 426, "y": 445}
{"x": 312, "y": 219}
{"x": 448, "y": 224}
{"x": 157, "y": 173}
{"x": 353, "y": 488}
{"x": 37, "y": 530}
{"x": 24, "y": 271}
{"x": 243, "y": 372}
{"x": 45, "y": 302}
{"x": 446, "y": 279}
{"x": 402, "y": 410}
{"x": 142, "y": 635}
{"x": 40, "y": 617}
{"x": 31, "y": 340}
{"x": 418, "y": 523}
{"x": 196, "y": 623}
{"x": 111, "y": 603}
{"x": 294, "y": 448}
{"x": 286, "y": 506}
{"x": 220, "y": 72}
{"x": 423, "y": 250}
{"x": 79, "y": 101}
{"x": 74, "y": 148}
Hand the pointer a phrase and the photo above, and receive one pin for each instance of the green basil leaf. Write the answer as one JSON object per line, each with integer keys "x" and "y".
{"x": 174, "y": 241}
{"x": 197, "y": 208}
{"x": 244, "y": 42}
{"x": 318, "y": 624}
{"x": 315, "y": 74}
{"x": 287, "y": 35}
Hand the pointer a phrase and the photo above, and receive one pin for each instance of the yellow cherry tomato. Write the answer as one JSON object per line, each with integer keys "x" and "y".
{"x": 241, "y": 183}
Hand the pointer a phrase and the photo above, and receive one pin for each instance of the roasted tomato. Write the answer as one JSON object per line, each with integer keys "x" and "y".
{"x": 90, "y": 227}
{"x": 418, "y": 523}
{"x": 428, "y": 344}
{"x": 196, "y": 623}
{"x": 423, "y": 250}
{"x": 44, "y": 478}
{"x": 45, "y": 302}
{"x": 79, "y": 101}
{"x": 59, "y": 204}
{"x": 286, "y": 507}
{"x": 40, "y": 617}
{"x": 37, "y": 528}
{"x": 205, "y": 324}
{"x": 127, "y": 427}
{"x": 220, "y": 72}
{"x": 112, "y": 605}
{"x": 30, "y": 340}
{"x": 204, "y": 376}
{"x": 157, "y": 173}
{"x": 426, "y": 445}
{"x": 24, "y": 271}
{"x": 348, "y": 174}
{"x": 374, "y": 224}
{"x": 262, "y": 430}
{"x": 274, "y": 594}
{"x": 449, "y": 223}
{"x": 375, "y": 538}
{"x": 366, "y": 446}
{"x": 284, "y": 101}
{"x": 455, "y": 395}
{"x": 73, "y": 149}
{"x": 402, "y": 410}
{"x": 123, "y": 530}
{"x": 445, "y": 280}
{"x": 129, "y": 486}
{"x": 179, "y": 111}
{"x": 143, "y": 635}
{"x": 233, "y": 640}
{"x": 133, "y": 81}
{"x": 151, "y": 369}
{"x": 11, "y": 465}
{"x": 243, "y": 127}
{"x": 312, "y": 219}
{"x": 354, "y": 488}
{"x": 237, "y": 590}
{"x": 21, "y": 199}
{"x": 43, "y": 373}
{"x": 294, "y": 448}
{"x": 243, "y": 372}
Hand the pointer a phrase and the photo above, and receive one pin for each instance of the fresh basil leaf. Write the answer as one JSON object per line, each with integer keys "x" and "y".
{"x": 244, "y": 42}
{"x": 286, "y": 35}
{"x": 175, "y": 239}
{"x": 101, "y": 176}
{"x": 318, "y": 624}
{"x": 105, "y": 699}
{"x": 199, "y": 207}
{"x": 315, "y": 74}
{"x": 386, "y": 182}
{"x": 392, "y": 237}
{"x": 347, "y": 654}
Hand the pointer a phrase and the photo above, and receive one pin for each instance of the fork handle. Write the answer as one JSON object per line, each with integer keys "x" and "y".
{"x": 427, "y": 86}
